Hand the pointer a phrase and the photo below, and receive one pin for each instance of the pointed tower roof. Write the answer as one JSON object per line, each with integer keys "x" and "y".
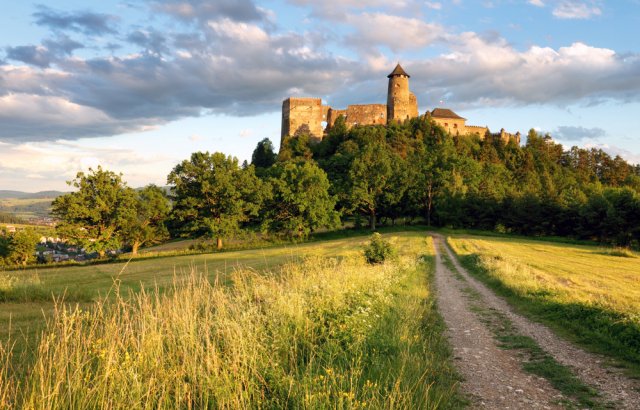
{"x": 398, "y": 71}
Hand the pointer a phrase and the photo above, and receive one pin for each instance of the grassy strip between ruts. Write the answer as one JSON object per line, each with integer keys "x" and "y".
{"x": 534, "y": 359}
{"x": 593, "y": 324}
{"x": 326, "y": 333}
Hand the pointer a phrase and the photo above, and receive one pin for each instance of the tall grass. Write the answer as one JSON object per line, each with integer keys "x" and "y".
{"x": 322, "y": 334}
{"x": 22, "y": 288}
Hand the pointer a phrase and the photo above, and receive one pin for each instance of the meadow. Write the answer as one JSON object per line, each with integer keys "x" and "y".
{"x": 589, "y": 294}
{"x": 309, "y": 326}
{"x": 27, "y": 208}
{"x": 27, "y": 297}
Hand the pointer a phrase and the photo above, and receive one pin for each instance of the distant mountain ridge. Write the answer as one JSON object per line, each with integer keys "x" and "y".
{"x": 6, "y": 194}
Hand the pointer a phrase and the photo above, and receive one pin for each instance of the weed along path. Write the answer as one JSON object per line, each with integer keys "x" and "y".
{"x": 493, "y": 377}
{"x": 508, "y": 361}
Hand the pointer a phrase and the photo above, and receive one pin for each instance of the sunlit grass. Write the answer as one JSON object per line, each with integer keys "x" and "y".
{"x": 27, "y": 294}
{"x": 321, "y": 333}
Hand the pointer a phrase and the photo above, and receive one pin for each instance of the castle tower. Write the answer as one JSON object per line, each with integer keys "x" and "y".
{"x": 401, "y": 103}
{"x": 303, "y": 116}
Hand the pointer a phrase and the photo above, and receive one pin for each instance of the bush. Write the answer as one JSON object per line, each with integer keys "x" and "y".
{"x": 378, "y": 250}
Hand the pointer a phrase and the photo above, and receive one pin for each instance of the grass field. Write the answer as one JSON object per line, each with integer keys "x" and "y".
{"x": 27, "y": 208}
{"x": 589, "y": 294}
{"x": 310, "y": 326}
{"x": 25, "y": 295}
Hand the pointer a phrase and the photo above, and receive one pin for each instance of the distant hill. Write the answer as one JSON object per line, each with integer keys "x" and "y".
{"x": 7, "y": 194}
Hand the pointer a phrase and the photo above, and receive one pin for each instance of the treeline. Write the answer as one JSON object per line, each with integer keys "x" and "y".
{"x": 412, "y": 172}
{"x": 416, "y": 170}
{"x": 7, "y": 218}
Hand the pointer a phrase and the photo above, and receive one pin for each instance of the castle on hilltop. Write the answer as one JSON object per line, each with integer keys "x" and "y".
{"x": 308, "y": 115}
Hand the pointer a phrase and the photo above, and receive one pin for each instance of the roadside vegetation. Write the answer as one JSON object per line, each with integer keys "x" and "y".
{"x": 588, "y": 294}
{"x": 321, "y": 333}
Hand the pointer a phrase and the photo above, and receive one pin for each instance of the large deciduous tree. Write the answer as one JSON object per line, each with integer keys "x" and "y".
{"x": 146, "y": 225}
{"x": 370, "y": 175}
{"x": 21, "y": 247}
{"x": 213, "y": 195}
{"x": 96, "y": 215}
{"x": 300, "y": 201}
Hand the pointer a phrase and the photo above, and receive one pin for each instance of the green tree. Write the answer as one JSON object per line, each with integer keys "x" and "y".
{"x": 146, "y": 225}
{"x": 431, "y": 167}
{"x": 213, "y": 195}
{"x": 296, "y": 147}
{"x": 300, "y": 201}
{"x": 4, "y": 248}
{"x": 264, "y": 155}
{"x": 21, "y": 248}
{"x": 96, "y": 215}
{"x": 369, "y": 175}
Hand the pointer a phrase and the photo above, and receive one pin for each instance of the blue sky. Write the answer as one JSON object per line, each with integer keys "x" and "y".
{"x": 137, "y": 85}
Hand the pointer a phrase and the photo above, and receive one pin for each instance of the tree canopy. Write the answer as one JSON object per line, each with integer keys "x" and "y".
{"x": 214, "y": 196}
{"x": 96, "y": 215}
{"x": 147, "y": 223}
{"x": 300, "y": 202}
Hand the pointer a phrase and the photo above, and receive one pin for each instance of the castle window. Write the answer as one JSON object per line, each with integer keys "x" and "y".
{"x": 455, "y": 125}
{"x": 446, "y": 124}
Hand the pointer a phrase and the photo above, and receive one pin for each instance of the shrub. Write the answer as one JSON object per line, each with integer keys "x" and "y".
{"x": 378, "y": 250}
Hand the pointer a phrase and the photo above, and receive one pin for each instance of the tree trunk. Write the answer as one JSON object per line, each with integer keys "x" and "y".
{"x": 219, "y": 243}
{"x": 135, "y": 247}
{"x": 372, "y": 220}
{"x": 429, "y": 205}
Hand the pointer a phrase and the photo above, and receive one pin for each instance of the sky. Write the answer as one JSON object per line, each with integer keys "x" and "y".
{"x": 136, "y": 86}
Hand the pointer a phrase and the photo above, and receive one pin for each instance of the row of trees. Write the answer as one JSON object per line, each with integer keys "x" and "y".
{"x": 210, "y": 195}
{"x": 416, "y": 170}
{"x": 10, "y": 219}
{"x": 412, "y": 171}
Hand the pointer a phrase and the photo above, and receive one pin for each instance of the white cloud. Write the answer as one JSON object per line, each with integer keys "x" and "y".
{"x": 397, "y": 33}
{"x": 59, "y": 161}
{"x": 40, "y": 117}
{"x": 339, "y": 9}
{"x": 482, "y": 72}
{"x": 537, "y": 3}
{"x": 242, "y": 32}
{"x": 433, "y": 5}
{"x": 576, "y": 10}
{"x": 245, "y": 133}
{"x": 578, "y": 133}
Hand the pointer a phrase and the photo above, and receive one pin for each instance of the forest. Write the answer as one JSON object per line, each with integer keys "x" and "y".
{"x": 416, "y": 170}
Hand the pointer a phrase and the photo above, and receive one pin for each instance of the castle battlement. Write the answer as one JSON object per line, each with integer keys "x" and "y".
{"x": 307, "y": 115}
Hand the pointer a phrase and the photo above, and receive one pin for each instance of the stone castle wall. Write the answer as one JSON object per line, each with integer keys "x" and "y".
{"x": 303, "y": 115}
{"x": 474, "y": 129}
{"x": 334, "y": 115}
{"x": 454, "y": 126}
{"x": 368, "y": 114}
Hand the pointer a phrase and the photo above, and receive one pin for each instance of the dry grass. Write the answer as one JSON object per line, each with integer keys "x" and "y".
{"x": 582, "y": 274}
